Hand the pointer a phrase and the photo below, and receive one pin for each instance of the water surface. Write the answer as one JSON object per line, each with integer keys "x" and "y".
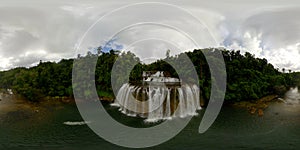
{"x": 59, "y": 126}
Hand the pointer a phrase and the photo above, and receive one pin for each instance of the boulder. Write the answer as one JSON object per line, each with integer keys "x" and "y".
{"x": 260, "y": 112}
{"x": 253, "y": 110}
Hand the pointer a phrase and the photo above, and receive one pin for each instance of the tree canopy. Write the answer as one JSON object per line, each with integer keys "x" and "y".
{"x": 248, "y": 78}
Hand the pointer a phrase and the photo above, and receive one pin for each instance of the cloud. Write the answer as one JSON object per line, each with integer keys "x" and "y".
{"x": 49, "y": 30}
{"x": 26, "y": 30}
{"x": 271, "y": 34}
{"x": 112, "y": 44}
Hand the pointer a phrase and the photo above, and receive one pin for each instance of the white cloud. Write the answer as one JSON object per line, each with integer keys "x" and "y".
{"x": 31, "y": 31}
{"x": 249, "y": 42}
{"x": 273, "y": 34}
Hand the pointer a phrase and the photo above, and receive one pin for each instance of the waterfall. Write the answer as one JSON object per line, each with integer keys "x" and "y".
{"x": 292, "y": 96}
{"x": 167, "y": 114}
{"x": 181, "y": 106}
{"x": 159, "y": 98}
{"x": 190, "y": 99}
{"x": 196, "y": 96}
{"x": 156, "y": 101}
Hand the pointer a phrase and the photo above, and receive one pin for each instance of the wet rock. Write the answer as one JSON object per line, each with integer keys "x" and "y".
{"x": 252, "y": 110}
{"x": 257, "y": 106}
{"x": 106, "y": 99}
{"x": 260, "y": 112}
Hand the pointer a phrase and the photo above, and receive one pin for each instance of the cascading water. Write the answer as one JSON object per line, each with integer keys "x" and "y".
{"x": 292, "y": 96}
{"x": 158, "y": 101}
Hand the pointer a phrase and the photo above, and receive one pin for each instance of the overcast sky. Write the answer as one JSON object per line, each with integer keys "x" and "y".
{"x": 31, "y": 30}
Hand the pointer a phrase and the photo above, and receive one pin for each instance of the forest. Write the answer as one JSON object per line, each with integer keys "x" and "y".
{"x": 248, "y": 78}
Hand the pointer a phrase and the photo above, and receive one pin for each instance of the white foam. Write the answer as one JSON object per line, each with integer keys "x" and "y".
{"x": 76, "y": 123}
{"x": 152, "y": 120}
{"x": 292, "y": 96}
{"x": 115, "y": 105}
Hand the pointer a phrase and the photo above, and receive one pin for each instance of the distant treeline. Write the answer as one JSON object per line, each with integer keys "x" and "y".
{"x": 248, "y": 78}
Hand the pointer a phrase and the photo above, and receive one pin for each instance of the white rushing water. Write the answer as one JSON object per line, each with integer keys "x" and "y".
{"x": 292, "y": 96}
{"x": 161, "y": 103}
{"x": 76, "y": 123}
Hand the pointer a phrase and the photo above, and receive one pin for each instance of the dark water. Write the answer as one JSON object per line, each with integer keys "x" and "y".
{"x": 234, "y": 128}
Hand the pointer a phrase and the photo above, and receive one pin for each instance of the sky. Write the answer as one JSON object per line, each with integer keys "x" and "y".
{"x": 34, "y": 30}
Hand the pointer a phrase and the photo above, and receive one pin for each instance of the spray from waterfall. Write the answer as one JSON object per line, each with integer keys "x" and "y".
{"x": 292, "y": 96}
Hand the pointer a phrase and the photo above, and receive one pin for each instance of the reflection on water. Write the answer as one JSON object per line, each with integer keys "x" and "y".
{"x": 57, "y": 126}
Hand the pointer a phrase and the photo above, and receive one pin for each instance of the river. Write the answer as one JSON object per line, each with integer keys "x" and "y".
{"x": 26, "y": 125}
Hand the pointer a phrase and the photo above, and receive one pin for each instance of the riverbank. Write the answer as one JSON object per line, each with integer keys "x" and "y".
{"x": 254, "y": 107}
{"x": 102, "y": 96}
{"x": 257, "y": 107}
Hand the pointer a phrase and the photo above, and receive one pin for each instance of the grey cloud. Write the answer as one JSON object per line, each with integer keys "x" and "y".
{"x": 50, "y": 29}
{"x": 22, "y": 41}
{"x": 56, "y": 26}
{"x": 278, "y": 28}
{"x": 271, "y": 33}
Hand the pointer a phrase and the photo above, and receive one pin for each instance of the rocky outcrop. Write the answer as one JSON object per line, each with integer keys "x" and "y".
{"x": 260, "y": 112}
{"x": 108, "y": 99}
{"x": 258, "y": 106}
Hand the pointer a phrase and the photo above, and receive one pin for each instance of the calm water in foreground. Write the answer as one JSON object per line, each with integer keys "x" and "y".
{"x": 27, "y": 126}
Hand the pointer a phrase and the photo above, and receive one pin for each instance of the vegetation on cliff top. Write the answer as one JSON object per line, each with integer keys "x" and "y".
{"x": 248, "y": 78}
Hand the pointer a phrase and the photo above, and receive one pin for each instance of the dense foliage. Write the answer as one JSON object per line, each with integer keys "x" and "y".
{"x": 248, "y": 78}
